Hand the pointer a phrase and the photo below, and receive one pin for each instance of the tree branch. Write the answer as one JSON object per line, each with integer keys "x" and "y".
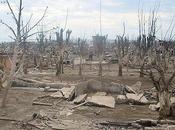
{"x": 27, "y": 23}
{"x": 171, "y": 78}
{"x": 8, "y": 27}
{"x": 12, "y": 12}
{"x": 36, "y": 23}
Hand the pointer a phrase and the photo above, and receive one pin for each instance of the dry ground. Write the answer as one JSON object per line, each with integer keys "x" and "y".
{"x": 20, "y": 106}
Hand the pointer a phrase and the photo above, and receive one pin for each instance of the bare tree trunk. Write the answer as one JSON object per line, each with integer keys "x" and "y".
{"x": 142, "y": 71}
{"x": 100, "y": 67}
{"x": 35, "y": 60}
{"x": 120, "y": 72}
{"x": 25, "y": 64}
{"x": 73, "y": 65}
{"x": 90, "y": 65}
{"x": 165, "y": 104}
{"x": 57, "y": 69}
{"x": 80, "y": 66}
{"x": 127, "y": 68}
{"x": 11, "y": 76}
{"x": 59, "y": 66}
{"x": 40, "y": 64}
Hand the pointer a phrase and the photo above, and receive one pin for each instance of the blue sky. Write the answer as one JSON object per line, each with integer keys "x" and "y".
{"x": 83, "y": 17}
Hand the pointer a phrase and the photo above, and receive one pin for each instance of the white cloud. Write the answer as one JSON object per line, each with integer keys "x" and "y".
{"x": 84, "y": 15}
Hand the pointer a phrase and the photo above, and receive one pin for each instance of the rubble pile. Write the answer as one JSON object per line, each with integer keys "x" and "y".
{"x": 93, "y": 93}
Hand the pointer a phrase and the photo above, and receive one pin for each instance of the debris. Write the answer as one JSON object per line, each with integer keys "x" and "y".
{"x": 8, "y": 119}
{"x": 107, "y": 101}
{"x": 42, "y": 113}
{"x": 28, "y": 88}
{"x": 155, "y": 128}
{"x": 65, "y": 92}
{"x": 34, "y": 83}
{"x": 137, "y": 87}
{"x": 42, "y": 104}
{"x": 100, "y": 94}
{"x": 137, "y": 98}
{"x": 48, "y": 89}
{"x": 36, "y": 125}
{"x": 147, "y": 122}
{"x": 80, "y": 105}
{"x": 98, "y": 86}
{"x": 123, "y": 124}
{"x": 121, "y": 99}
{"x": 171, "y": 127}
{"x": 68, "y": 92}
{"x": 154, "y": 107}
{"x": 117, "y": 123}
{"x": 130, "y": 90}
{"x": 97, "y": 112}
{"x": 63, "y": 125}
{"x": 80, "y": 99}
{"x": 66, "y": 112}
{"x": 57, "y": 95}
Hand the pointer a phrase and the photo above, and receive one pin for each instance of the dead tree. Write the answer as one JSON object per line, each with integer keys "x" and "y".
{"x": 145, "y": 42}
{"x": 121, "y": 49}
{"x": 63, "y": 46}
{"x": 18, "y": 35}
{"x": 82, "y": 53}
{"x": 41, "y": 48}
{"x": 159, "y": 73}
{"x": 100, "y": 44}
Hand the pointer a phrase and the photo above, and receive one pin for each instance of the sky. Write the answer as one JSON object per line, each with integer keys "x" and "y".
{"x": 84, "y": 16}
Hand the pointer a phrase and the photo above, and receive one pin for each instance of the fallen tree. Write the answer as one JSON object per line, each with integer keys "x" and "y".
{"x": 35, "y": 84}
{"x": 97, "y": 86}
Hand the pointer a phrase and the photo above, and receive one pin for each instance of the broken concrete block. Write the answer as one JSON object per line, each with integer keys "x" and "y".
{"x": 137, "y": 97}
{"x": 135, "y": 88}
{"x": 121, "y": 99}
{"x": 80, "y": 99}
{"x": 56, "y": 95}
{"x": 68, "y": 92}
{"x": 100, "y": 94}
{"x": 128, "y": 89}
{"x": 107, "y": 101}
{"x": 64, "y": 92}
{"x": 154, "y": 107}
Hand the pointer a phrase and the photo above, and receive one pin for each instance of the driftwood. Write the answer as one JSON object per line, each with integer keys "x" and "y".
{"x": 8, "y": 119}
{"x": 35, "y": 84}
{"x": 42, "y": 104}
{"x": 119, "y": 123}
{"x": 35, "y": 126}
{"x": 79, "y": 105}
